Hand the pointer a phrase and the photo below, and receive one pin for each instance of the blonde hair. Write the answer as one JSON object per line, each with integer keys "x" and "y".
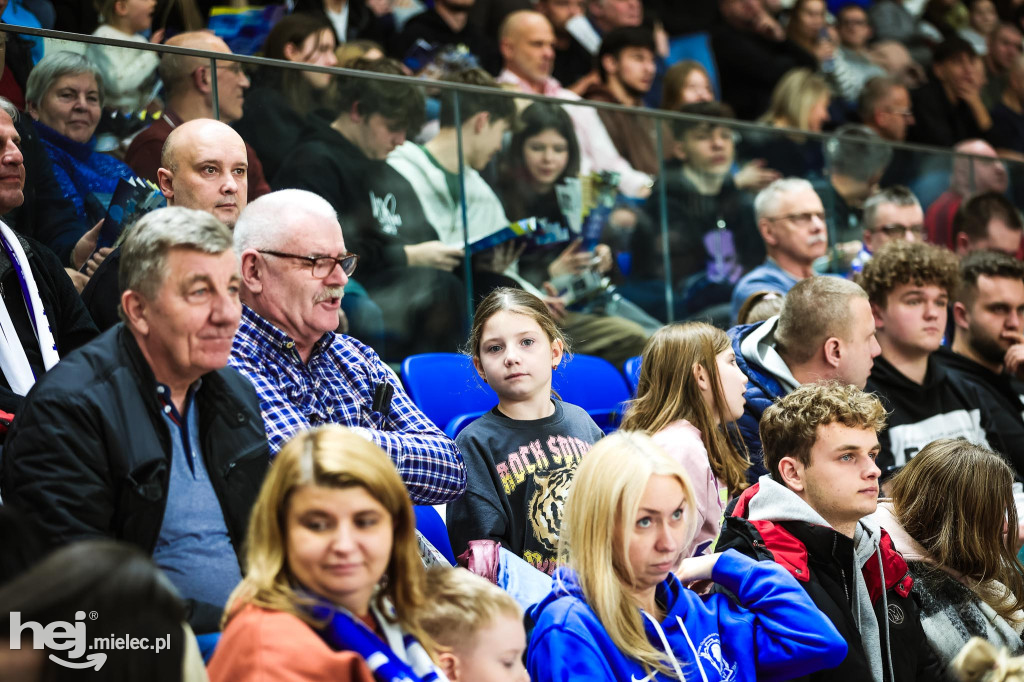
{"x": 979, "y": 661}
{"x": 794, "y": 97}
{"x": 965, "y": 532}
{"x": 330, "y": 457}
{"x": 668, "y": 391}
{"x": 675, "y": 81}
{"x": 599, "y": 512}
{"x": 461, "y": 604}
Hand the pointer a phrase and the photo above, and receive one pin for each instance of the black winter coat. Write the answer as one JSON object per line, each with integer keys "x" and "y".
{"x": 821, "y": 558}
{"x": 90, "y": 453}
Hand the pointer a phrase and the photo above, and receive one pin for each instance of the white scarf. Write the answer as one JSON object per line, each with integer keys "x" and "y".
{"x": 13, "y": 361}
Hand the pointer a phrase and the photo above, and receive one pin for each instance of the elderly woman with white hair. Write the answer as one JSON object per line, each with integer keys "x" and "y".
{"x": 64, "y": 97}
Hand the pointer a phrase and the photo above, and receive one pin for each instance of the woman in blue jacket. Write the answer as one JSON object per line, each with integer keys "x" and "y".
{"x": 619, "y": 608}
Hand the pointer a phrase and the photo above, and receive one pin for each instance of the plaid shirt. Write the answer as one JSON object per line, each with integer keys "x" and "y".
{"x": 337, "y": 386}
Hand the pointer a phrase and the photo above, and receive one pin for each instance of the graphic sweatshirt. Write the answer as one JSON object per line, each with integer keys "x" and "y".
{"x": 518, "y": 473}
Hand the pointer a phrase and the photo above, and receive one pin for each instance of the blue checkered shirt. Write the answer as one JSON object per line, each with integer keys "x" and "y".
{"x": 336, "y": 386}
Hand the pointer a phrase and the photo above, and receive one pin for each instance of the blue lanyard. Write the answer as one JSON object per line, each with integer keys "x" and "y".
{"x": 22, "y": 282}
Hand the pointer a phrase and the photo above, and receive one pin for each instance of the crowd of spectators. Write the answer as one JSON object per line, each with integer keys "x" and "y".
{"x": 211, "y": 271}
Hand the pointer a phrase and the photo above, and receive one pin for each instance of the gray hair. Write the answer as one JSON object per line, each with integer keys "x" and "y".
{"x": 897, "y": 195}
{"x": 55, "y": 66}
{"x": 265, "y": 220}
{"x": 857, "y": 152}
{"x": 143, "y": 264}
{"x": 814, "y": 310}
{"x": 8, "y": 108}
{"x": 767, "y": 200}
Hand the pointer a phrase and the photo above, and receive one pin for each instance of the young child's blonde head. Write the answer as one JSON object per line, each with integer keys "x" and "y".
{"x": 478, "y": 627}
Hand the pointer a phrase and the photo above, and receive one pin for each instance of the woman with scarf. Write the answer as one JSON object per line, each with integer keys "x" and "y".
{"x": 334, "y": 581}
{"x": 64, "y": 97}
{"x": 951, "y": 510}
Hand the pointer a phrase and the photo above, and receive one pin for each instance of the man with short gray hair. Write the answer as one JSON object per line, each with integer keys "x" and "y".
{"x": 294, "y": 270}
{"x": 144, "y": 435}
{"x": 890, "y": 214}
{"x": 791, "y": 220}
{"x": 825, "y": 331}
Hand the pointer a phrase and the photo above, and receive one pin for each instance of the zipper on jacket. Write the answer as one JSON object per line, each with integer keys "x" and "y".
{"x": 842, "y": 573}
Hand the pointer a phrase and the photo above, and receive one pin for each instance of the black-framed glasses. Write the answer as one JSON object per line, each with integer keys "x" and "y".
{"x": 321, "y": 266}
{"x": 897, "y": 231}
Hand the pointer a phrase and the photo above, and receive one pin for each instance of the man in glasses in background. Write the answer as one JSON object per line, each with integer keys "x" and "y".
{"x": 188, "y": 82}
{"x": 791, "y": 220}
{"x": 890, "y": 214}
{"x": 294, "y": 270}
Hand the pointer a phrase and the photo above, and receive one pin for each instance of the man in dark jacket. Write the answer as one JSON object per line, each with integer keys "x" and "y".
{"x": 143, "y": 435}
{"x": 988, "y": 345}
{"x": 810, "y": 515}
{"x": 824, "y": 331}
{"x": 405, "y": 268}
{"x": 909, "y": 285}
{"x": 43, "y": 318}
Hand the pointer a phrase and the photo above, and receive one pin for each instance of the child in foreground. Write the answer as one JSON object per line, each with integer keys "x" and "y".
{"x": 520, "y": 456}
{"x": 478, "y": 627}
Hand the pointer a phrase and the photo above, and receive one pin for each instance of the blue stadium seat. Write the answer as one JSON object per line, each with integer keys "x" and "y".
{"x": 631, "y": 369}
{"x": 595, "y": 385}
{"x": 430, "y": 523}
{"x": 446, "y": 386}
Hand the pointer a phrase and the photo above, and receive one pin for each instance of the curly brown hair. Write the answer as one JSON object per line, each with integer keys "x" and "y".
{"x": 789, "y": 427}
{"x": 900, "y": 262}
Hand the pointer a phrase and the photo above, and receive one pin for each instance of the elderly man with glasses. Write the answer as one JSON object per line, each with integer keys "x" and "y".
{"x": 294, "y": 271}
{"x": 791, "y": 220}
{"x": 890, "y": 214}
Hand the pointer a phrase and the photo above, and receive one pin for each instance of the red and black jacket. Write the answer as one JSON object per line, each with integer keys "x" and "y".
{"x": 821, "y": 559}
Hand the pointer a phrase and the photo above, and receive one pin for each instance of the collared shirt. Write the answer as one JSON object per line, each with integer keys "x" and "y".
{"x": 336, "y": 386}
{"x": 193, "y": 548}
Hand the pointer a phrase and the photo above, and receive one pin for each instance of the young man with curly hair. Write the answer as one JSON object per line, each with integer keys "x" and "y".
{"x": 909, "y": 286}
{"x": 810, "y": 514}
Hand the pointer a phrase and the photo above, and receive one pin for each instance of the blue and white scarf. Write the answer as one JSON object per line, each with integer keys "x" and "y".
{"x": 397, "y": 658}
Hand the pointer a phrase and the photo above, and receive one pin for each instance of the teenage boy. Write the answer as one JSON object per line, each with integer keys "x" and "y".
{"x": 909, "y": 287}
{"x": 809, "y": 515}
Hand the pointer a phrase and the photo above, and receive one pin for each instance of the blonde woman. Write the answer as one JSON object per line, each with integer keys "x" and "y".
{"x": 951, "y": 506}
{"x": 799, "y": 101}
{"x": 690, "y": 392}
{"x": 618, "y": 611}
{"x": 334, "y": 580}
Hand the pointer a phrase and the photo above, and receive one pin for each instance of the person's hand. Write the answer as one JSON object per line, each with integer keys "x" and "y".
{"x": 661, "y": 40}
{"x": 158, "y": 36}
{"x": 754, "y": 176}
{"x": 1013, "y": 361}
{"x": 571, "y": 261}
{"x": 555, "y": 303}
{"x": 697, "y": 568}
{"x": 603, "y": 256}
{"x": 500, "y": 257}
{"x": 766, "y": 26}
{"x": 434, "y": 254}
{"x": 78, "y": 279}
{"x": 85, "y": 246}
{"x": 95, "y": 260}
{"x": 581, "y": 86}
{"x": 826, "y": 48}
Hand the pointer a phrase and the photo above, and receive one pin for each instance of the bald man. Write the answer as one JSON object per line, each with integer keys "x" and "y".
{"x": 971, "y": 176}
{"x": 203, "y": 166}
{"x": 189, "y": 85}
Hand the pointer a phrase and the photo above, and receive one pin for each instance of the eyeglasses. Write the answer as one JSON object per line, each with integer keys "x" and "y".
{"x": 235, "y": 68}
{"x": 898, "y": 231}
{"x": 801, "y": 219}
{"x": 321, "y": 266}
{"x": 905, "y": 113}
